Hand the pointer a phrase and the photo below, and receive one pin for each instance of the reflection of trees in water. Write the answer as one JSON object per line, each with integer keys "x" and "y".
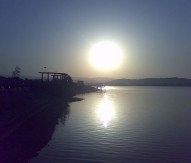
{"x": 65, "y": 114}
{"x": 25, "y": 143}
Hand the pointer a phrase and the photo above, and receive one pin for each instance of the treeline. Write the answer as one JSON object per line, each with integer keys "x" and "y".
{"x": 56, "y": 87}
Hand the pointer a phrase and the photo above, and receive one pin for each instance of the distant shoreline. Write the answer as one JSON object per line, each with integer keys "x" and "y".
{"x": 151, "y": 82}
{"x": 150, "y": 85}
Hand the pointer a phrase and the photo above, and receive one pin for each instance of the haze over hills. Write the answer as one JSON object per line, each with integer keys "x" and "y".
{"x": 171, "y": 81}
{"x": 93, "y": 81}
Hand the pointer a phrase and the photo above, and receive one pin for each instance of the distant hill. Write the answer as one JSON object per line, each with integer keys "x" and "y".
{"x": 151, "y": 82}
{"x": 92, "y": 81}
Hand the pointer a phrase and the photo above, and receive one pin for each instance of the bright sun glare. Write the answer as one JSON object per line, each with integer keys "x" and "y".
{"x": 105, "y": 55}
{"x": 106, "y": 111}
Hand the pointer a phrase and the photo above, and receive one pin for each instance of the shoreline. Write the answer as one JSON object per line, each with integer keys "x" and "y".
{"x": 23, "y": 106}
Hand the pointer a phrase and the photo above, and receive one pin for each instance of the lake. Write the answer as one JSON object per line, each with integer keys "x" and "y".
{"x": 120, "y": 124}
{"x": 125, "y": 124}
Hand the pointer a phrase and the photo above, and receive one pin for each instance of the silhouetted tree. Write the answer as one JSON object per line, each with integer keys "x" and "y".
{"x": 16, "y": 72}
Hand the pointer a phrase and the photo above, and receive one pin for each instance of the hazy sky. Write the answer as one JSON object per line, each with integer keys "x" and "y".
{"x": 154, "y": 35}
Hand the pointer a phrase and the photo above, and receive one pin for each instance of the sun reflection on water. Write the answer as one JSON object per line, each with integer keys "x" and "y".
{"x": 105, "y": 111}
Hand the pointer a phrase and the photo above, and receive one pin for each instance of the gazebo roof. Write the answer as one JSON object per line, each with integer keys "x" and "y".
{"x": 53, "y": 73}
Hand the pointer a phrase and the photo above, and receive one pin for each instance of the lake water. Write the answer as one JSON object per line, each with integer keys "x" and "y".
{"x": 121, "y": 124}
{"x": 124, "y": 124}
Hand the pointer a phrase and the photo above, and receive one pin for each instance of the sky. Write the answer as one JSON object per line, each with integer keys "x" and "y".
{"x": 154, "y": 36}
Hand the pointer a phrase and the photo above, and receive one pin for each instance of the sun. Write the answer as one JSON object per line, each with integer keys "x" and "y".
{"x": 105, "y": 55}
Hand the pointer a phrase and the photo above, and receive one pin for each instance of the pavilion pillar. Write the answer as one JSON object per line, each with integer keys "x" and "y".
{"x": 48, "y": 76}
{"x": 42, "y": 76}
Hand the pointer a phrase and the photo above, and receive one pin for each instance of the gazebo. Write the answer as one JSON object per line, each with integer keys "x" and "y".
{"x": 55, "y": 75}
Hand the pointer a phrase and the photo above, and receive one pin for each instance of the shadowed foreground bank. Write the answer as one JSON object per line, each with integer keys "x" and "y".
{"x": 21, "y": 99}
{"x": 33, "y": 135}
{"x": 29, "y": 112}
